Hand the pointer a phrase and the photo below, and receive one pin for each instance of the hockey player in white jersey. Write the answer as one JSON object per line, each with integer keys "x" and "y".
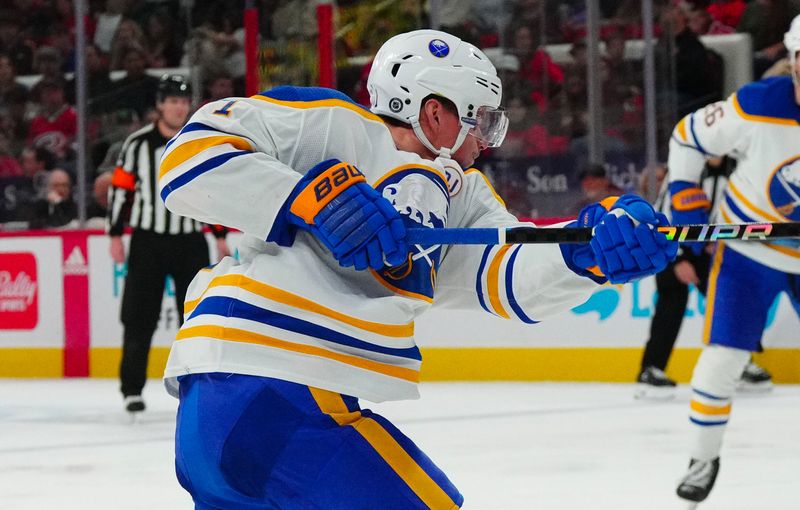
{"x": 760, "y": 126}
{"x": 278, "y": 348}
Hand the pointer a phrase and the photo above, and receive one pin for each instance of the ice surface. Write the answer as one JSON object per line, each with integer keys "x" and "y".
{"x": 67, "y": 444}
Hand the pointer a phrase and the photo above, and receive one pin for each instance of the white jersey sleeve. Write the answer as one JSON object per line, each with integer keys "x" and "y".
{"x": 525, "y": 282}
{"x": 714, "y": 130}
{"x": 223, "y": 168}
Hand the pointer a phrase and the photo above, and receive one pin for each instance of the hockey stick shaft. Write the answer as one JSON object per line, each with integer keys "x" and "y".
{"x": 538, "y": 235}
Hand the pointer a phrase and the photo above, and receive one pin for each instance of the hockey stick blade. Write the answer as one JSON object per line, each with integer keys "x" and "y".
{"x": 538, "y": 235}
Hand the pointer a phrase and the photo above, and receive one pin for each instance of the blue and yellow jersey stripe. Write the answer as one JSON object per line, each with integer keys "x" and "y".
{"x": 494, "y": 283}
{"x": 229, "y": 334}
{"x": 195, "y": 150}
{"x": 238, "y": 309}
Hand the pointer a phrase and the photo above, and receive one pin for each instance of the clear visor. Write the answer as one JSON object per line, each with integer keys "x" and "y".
{"x": 489, "y": 126}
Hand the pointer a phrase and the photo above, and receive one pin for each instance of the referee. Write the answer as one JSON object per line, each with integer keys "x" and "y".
{"x": 162, "y": 243}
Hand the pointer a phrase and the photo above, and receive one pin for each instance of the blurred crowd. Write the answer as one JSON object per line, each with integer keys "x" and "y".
{"x": 131, "y": 41}
{"x": 129, "y": 44}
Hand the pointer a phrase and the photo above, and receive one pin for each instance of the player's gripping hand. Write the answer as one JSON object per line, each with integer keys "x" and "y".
{"x": 625, "y": 246}
{"x": 358, "y": 225}
{"x": 690, "y": 206}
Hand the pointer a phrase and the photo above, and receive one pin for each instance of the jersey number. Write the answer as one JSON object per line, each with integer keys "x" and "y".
{"x": 713, "y": 113}
{"x": 225, "y": 111}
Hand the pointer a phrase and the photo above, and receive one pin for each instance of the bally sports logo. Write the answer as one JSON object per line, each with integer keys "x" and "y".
{"x": 19, "y": 297}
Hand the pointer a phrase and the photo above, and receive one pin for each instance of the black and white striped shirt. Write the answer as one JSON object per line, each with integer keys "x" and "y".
{"x": 135, "y": 188}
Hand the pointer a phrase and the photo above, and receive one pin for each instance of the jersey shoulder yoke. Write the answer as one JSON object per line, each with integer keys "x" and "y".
{"x": 770, "y": 100}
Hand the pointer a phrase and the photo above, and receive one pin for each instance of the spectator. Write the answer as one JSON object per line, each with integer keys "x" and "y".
{"x": 541, "y": 16}
{"x": 219, "y": 86}
{"x": 98, "y": 208}
{"x": 526, "y": 137}
{"x": 10, "y": 90}
{"x": 623, "y": 74}
{"x": 9, "y": 166}
{"x": 98, "y": 83}
{"x": 63, "y": 40}
{"x": 57, "y": 208}
{"x": 727, "y": 12}
{"x": 14, "y": 44}
{"x": 107, "y": 23}
{"x": 36, "y": 162}
{"x": 223, "y": 47}
{"x": 56, "y": 124}
{"x": 702, "y": 23}
{"x": 137, "y": 90}
{"x": 129, "y": 36}
{"x": 36, "y": 165}
{"x": 47, "y": 62}
{"x": 698, "y": 73}
{"x": 161, "y": 40}
{"x": 766, "y": 21}
{"x": 537, "y": 69}
{"x": 595, "y": 186}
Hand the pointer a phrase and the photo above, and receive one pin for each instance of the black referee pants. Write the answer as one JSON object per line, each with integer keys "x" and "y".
{"x": 151, "y": 258}
{"x": 670, "y": 307}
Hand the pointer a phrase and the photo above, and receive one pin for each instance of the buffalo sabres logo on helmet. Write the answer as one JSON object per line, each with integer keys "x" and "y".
{"x": 438, "y": 48}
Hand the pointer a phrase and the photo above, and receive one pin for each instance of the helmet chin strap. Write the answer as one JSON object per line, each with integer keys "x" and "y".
{"x": 442, "y": 152}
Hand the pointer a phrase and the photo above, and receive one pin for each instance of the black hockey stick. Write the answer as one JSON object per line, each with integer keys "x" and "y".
{"x": 538, "y": 235}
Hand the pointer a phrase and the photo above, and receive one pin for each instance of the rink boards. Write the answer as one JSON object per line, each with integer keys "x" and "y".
{"x": 59, "y": 309}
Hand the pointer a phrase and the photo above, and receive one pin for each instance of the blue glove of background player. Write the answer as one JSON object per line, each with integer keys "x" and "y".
{"x": 690, "y": 206}
{"x": 358, "y": 225}
{"x": 620, "y": 250}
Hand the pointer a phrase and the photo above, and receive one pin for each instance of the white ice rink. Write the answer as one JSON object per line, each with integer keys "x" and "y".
{"x": 65, "y": 444}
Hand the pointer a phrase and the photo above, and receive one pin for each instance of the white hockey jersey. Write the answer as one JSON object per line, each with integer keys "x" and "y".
{"x": 760, "y": 126}
{"x": 286, "y": 309}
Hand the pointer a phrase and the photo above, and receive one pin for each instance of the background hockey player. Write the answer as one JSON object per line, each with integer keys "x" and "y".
{"x": 759, "y": 125}
{"x": 278, "y": 348}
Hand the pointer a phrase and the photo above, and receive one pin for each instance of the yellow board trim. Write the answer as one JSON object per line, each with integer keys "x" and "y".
{"x": 761, "y": 118}
{"x": 493, "y": 282}
{"x": 749, "y": 204}
{"x": 569, "y": 364}
{"x": 322, "y": 103}
{"x": 31, "y": 362}
{"x": 295, "y": 301}
{"x": 709, "y": 410}
{"x": 240, "y": 335}
{"x": 104, "y": 361}
{"x": 187, "y": 150}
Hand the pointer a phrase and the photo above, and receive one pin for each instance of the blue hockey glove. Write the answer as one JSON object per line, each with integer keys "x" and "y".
{"x": 360, "y": 227}
{"x": 580, "y": 257}
{"x": 690, "y": 206}
{"x": 621, "y": 250}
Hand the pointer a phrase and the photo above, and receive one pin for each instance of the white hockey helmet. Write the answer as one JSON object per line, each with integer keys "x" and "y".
{"x": 792, "y": 42}
{"x": 411, "y": 66}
